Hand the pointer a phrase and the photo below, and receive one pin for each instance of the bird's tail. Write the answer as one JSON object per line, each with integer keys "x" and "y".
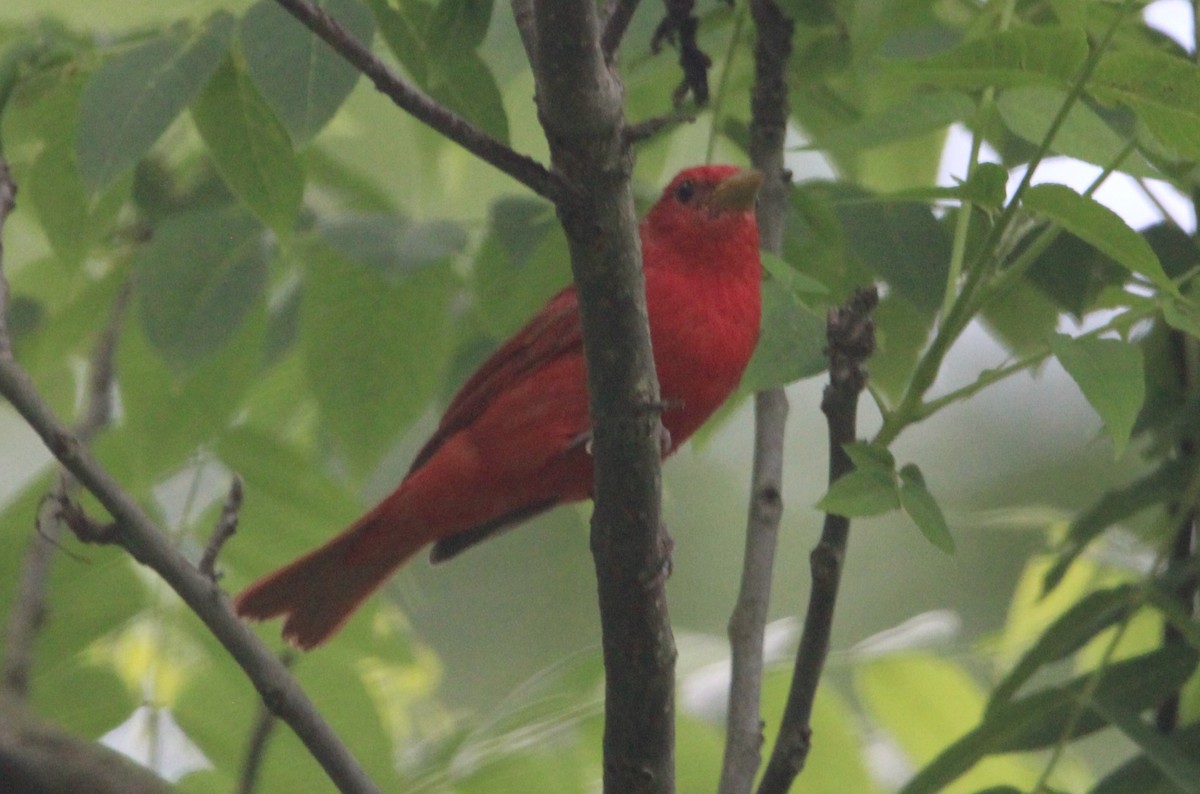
{"x": 318, "y": 592}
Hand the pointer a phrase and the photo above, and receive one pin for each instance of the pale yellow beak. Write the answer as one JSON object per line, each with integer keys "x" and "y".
{"x": 736, "y": 193}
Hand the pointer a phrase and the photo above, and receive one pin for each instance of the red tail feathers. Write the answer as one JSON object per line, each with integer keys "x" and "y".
{"x": 319, "y": 591}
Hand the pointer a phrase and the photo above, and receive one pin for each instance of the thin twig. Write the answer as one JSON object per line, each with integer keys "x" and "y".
{"x": 768, "y": 127}
{"x": 421, "y": 106}
{"x": 642, "y": 130}
{"x": 851, "y": 341}
{"x": 28, "y": 612}
{"x": 225, "y": 528}
{"x": 149, "y": 545}
{"x": 8, "y": 201}
{"x": 256, "y": 745}
{"x": 615, "y": 25}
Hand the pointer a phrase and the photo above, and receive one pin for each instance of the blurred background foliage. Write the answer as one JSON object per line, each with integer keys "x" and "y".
{"x": 313, "y": 273}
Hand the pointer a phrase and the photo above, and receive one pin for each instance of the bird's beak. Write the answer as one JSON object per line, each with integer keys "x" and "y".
{"x": 736, "y": 193}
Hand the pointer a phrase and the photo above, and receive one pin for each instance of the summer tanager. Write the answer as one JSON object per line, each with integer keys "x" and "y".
{"x": 515, "y": 439}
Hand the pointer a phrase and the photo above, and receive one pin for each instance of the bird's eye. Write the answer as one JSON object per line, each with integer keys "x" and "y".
{"x": 685, "y": 190}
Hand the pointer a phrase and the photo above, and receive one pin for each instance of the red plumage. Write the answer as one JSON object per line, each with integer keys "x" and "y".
{"x": 513, "y": 441}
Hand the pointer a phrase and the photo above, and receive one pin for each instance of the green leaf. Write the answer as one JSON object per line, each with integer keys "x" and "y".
{"x": 438, "y": 48}
{"x": 986, "y": 187}
{"x": 1073, "y": 273}
{"x": 1021, "y": 56}
{"x": 1095, "y": 223}
{"x": 1163, "y": 90}
{"x": 1145, "y": 775}
{"x": 1160, "y": 750}
{"x": 913, "y": 116}
{"x": 903, "y": 243}
{"x": 300, "y": 76}
{"x": 949, "y": 701}
{"x": 250, "y": 147}
{"x": 197, "y": 280}
{"x": 1039, "y": 720}
{"x": 923, "y": 509}
{"x": 791, "y": 341}
{"x": 1085, "y": 619}
{"x": 1029, "y": 110}
{"x": 392, "y": 246}
{"x": 1158, "y": 487}
{"x": 128, "y": 103}
{"x": 1109, "y": 372}
{"x": 459, "y": 24}
{"x": 869, "y": 490}
{"x": 374, "y": 347}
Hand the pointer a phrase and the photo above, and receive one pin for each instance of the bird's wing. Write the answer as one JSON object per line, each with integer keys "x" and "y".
{"x": 552, "y": 332}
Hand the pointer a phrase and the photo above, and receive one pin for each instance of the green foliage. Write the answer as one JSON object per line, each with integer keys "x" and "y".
{"x": 298, "y": 305}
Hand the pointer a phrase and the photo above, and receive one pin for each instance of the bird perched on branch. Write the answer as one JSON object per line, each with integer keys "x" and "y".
{"x": 514, "y": 441}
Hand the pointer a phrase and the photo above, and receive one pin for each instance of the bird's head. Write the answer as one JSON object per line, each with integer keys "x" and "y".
{"x": 706, "y": 208}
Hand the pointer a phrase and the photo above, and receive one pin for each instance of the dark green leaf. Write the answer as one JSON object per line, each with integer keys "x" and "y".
{"x": 1021, "y": 56}
{"x": 904, "y": 244}
{"x": 250, "y": 147}
{"x": 791, "y": 341}
{"x": 1159, "y": 487}
{"x": 1109, "y": 372}
{"x": 1073, "y": 273}
{"x": 1039, "y": 720}
{"x": 923, "y": 509}
{"x": 459, "y": 24}
{"x": 1141, "y": 775}
{"x": 1182, "y": 771}
{"x": 901, "y": 332}
{"x": 1175, "y": 248}
{"x": 197, "y": 280}
{"x": 1084, "y": 135}
{"x": 1097, "y": 224}
{"x": 300, "y": 76}
{"x": 1162, "y": 89}
{"x": 450, "y": 70}
{"x": 374, "y": 346}
{"x": 135, "y": 96}
{"x": 1022, "y": 318}
{"x": 1082, "y": 622}
{"x": 521, "y": 263}
{"x": 986, "y": 186}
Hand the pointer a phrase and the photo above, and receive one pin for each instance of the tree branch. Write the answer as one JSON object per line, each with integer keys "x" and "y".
{"x": 28, "y": 612}
{"x": 225, "y": 528}
{"x": 851, "y": 335}
{"x": 581, "y": 104}
{"x": 620, "y": 12}
{"x": 135, "y": 532}
{"x": 768, "y": 127}
{"x": 421, "y": 106}
{"x": 39, "y": 758}
{"x": 8, "y": 201}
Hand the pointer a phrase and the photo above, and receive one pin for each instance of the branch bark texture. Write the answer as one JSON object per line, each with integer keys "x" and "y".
{"x": 851, "y": 336}
{"x": 580, "y": 103}
{"x": 768, "y": 127}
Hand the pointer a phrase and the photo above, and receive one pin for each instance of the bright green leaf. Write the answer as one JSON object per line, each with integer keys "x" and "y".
{"x": 1029, "y": 110}
{"x": 1095, "y": 223}
{"x": 197, "y": 280}
{"x": 300, "y": 76}
{"x": 923, "y": 509}
{"x": 250, "y": 147}
{"x": 1164, "y": 91}
{"x": 134, "y": 97}
{"x": 1109, "y": 372}
{"x": 869, "y": 490}
{"x": 1020, "y": 56}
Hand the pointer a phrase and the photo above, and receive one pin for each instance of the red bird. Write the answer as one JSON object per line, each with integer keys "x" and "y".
{"x": 514, "y": 440}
